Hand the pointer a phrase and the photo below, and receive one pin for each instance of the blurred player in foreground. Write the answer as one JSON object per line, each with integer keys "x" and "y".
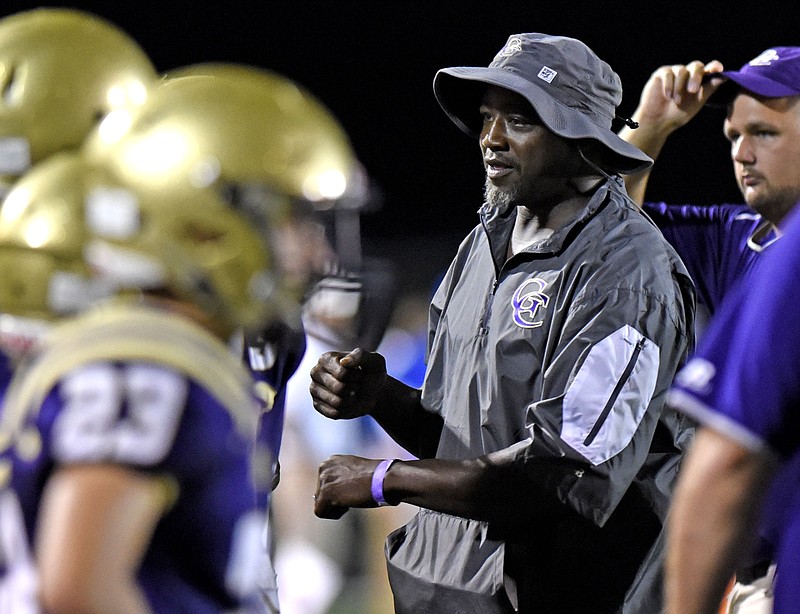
{"x": 279, "y": 146}
{"x": 131, "y": 431}
{"x": 61, "y": 71}
{"x": 152, "y": 225}
{"x": 265, "y": 145}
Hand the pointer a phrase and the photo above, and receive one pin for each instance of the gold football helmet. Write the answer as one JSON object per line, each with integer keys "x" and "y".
{"x": 232, "y": 125}
{"x": 72, "y": 234}
{"x": 61, "y": 71}
{"x": 253, "y": 137}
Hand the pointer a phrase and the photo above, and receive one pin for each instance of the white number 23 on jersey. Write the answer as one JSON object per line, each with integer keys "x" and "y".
{"x": 120, "y": 413}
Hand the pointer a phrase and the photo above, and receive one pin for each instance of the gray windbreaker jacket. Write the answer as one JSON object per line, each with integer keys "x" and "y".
{"x": 561, "y": 355}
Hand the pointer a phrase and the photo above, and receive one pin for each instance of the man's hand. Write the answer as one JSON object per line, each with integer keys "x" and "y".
{"x": 344, "y": 482}
{"x": 348, "y": 385}
{"x": 671, "y": 97}
{"x": 675, "y": 94}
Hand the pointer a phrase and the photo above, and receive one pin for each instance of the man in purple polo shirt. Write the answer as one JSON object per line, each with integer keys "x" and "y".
{"x": 723, "y": 244}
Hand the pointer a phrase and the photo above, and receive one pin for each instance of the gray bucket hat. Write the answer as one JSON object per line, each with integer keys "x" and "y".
{"x": 574, "y": 92}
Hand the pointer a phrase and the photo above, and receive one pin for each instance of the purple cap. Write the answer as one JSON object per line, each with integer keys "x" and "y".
{"x": 774, "y": 73}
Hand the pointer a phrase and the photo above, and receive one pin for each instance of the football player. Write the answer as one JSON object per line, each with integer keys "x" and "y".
{"x": 61, "y": 71}
{"x": 178, "y": 162}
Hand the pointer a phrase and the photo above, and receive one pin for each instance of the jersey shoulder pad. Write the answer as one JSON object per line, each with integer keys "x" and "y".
{"x": 124, "y": 332}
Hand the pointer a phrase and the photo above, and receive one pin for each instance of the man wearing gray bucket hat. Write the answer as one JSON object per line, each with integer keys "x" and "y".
{"x": 545, "y": 459}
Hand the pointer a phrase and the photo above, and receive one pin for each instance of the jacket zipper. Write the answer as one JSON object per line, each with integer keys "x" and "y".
{"x": 615, "y": 393}
{"x": 484, "y": 327}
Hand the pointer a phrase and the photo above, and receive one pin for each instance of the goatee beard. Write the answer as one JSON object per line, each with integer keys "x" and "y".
{"x": 498, "y": 198}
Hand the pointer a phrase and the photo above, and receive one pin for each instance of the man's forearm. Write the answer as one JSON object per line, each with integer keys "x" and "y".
{"x": 715, "y": 508}
{"x": 494, "y": 488}
{"x": 400, "y": 413}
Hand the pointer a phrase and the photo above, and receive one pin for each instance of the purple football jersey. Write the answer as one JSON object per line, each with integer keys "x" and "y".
{"x": 181, "y": 433}
{"x": 166, "y": 417}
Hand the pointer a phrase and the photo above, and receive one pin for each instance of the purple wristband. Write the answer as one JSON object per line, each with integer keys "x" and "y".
{"x": 377, "y": 480}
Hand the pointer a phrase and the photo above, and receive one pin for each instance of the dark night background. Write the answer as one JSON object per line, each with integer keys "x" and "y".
{"x": 372, "y": 64}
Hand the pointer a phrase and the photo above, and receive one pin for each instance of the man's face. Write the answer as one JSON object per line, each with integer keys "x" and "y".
{"x": 525, "y": 163}
{"x": 765, "y": 148}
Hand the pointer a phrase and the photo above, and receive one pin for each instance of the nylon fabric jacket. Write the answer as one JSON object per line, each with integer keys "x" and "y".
{"x": 562, "y": 356}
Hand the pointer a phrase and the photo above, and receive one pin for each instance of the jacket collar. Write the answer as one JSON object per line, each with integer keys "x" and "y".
{"x": 499, "y": 224}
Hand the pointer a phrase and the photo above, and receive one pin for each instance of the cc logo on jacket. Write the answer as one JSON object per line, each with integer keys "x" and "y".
{"x": 527, "y": 300}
